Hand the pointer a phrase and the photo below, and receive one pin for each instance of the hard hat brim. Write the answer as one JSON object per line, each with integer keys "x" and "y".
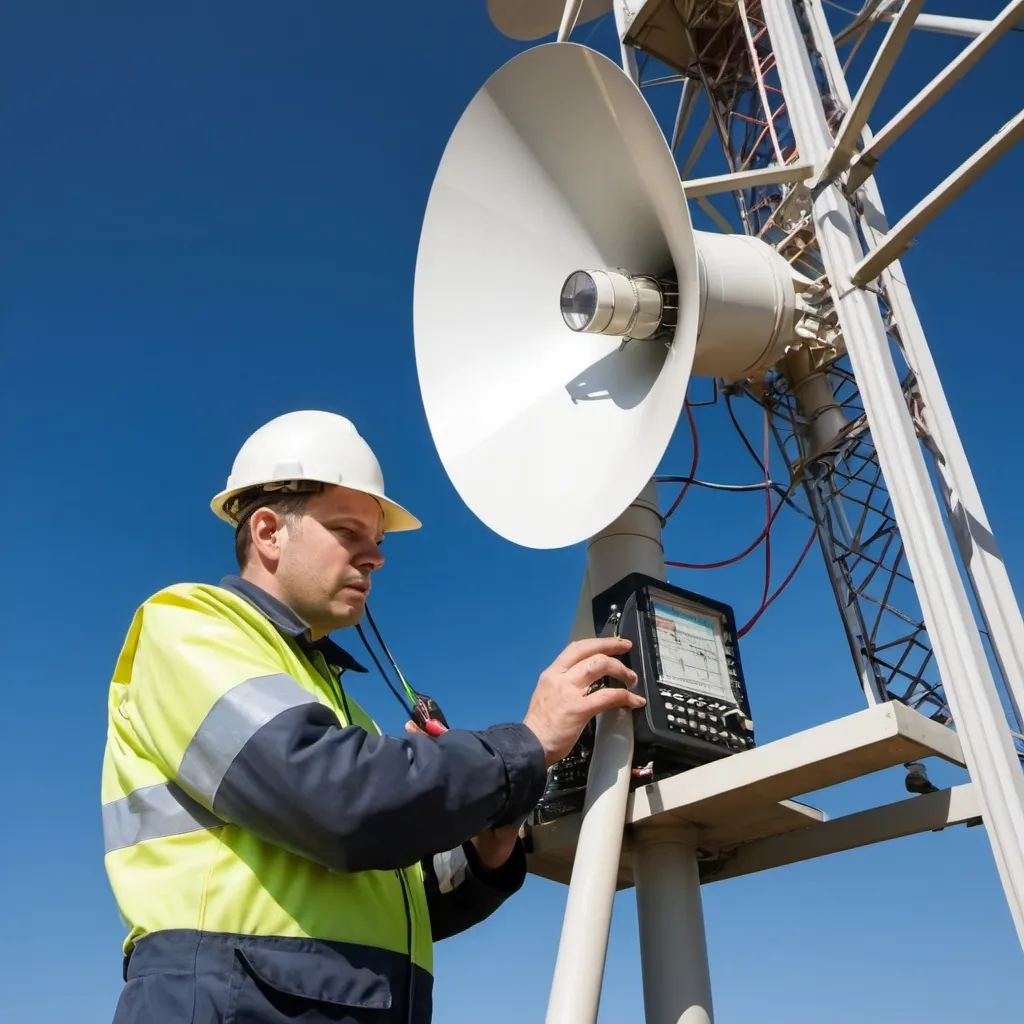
{"x": 396, "y": 518}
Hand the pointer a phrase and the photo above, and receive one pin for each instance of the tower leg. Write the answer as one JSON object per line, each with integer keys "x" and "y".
{"x": 968, "y": 681}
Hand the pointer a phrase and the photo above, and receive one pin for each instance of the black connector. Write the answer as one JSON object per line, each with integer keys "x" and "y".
{"x": 917, "y": 779}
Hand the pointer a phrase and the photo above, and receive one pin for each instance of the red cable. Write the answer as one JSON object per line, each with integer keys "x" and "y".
{"x": 693, "y": 465}
{"x": 767, "y": 508}
{"x": 736, "y": 558}
{"x": 764, "y": 535}
{"x": 782, "y": 586}
{"x": 770, "y": 516}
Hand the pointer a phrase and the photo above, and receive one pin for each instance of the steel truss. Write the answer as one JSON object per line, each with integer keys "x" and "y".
{"x": 728, "y": 69}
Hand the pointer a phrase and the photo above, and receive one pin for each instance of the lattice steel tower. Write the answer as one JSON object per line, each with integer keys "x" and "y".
{"x": 856, "y": 405}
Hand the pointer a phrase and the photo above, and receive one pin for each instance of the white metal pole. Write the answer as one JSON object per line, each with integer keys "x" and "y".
{"x": 969, "y": 686}
{"x": 975, "y": 540}
{"x": 673, "y": 946}
{"x": 632, "y": 543}
{"x": 583, "y": 946}
{"x": 944, "y": 23}
{"x": 623, "y": 18}
{"x": 671, "y": 923}
{"x": 569, "y": 15}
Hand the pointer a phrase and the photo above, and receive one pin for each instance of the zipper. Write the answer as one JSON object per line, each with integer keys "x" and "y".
{"x": 408, "y": 941}
{"x": 406, "y": 903}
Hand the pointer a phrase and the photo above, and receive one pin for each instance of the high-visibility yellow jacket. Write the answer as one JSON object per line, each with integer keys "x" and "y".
{"x": 270, "y": 851}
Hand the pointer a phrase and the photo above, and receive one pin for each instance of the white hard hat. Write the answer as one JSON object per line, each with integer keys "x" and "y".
{"x": 300, "y": 449}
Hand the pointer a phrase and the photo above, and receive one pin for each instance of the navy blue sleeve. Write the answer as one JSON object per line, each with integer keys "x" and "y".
{"x": 353, "y": 801}
{"x": 461, "y": 892}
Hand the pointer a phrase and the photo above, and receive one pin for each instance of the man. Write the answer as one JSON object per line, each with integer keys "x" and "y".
{"x": 274, "y": 857}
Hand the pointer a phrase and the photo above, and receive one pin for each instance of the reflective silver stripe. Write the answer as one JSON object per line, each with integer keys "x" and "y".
{"x": 230, "y": 724}
{"x": 450, "y": 869}
{"x": 153, "y": 812}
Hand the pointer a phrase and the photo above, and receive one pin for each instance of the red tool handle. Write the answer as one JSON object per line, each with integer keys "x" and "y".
{"x": 429, "y": 717}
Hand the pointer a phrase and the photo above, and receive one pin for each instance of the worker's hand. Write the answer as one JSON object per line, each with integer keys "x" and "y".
{"x": 494, "y": 846}
{"x": 561, "y": 707}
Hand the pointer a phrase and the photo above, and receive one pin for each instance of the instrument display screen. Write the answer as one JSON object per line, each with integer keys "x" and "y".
{"x": 690, "y": 650}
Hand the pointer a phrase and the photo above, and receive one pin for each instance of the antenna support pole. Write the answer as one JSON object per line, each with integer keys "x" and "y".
{"x": 673, "y": 945}
{"x": 667, "y": 883}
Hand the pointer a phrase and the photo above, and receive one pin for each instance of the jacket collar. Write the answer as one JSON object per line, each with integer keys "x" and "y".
{"x": 288, "y": 623}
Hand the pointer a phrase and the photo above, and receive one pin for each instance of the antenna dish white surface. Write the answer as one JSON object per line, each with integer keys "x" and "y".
{"x": 557, "y": 165}
{"x": 534, "y": 19}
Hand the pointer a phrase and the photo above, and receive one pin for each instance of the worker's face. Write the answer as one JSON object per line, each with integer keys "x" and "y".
{"x": 326, "y": 556}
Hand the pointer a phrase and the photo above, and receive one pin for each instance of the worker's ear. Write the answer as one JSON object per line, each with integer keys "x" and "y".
{"x": 266, "y": 527}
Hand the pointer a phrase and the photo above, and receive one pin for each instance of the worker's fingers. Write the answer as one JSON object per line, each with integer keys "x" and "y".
{"x": 413, "y": 728}
{"x": 596, "y": 667}
{"x": 580, "y": 649}
{"x": 609, "y": 697}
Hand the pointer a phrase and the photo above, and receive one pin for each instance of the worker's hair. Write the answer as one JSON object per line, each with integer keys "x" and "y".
{"x": 284, "y": 504}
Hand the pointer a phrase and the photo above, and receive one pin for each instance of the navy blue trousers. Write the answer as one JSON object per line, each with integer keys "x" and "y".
{"x": 191, "y": 977}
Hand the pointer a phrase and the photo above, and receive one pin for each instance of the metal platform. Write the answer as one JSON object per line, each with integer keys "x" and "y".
{"x": 677, "y": 31}
{"x": 740, "y": 805}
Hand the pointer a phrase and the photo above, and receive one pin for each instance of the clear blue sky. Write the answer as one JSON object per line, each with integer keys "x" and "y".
{"x": 210, "y": 215}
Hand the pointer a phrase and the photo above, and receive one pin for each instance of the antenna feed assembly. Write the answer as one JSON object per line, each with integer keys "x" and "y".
{"x": 747, "y": 297}
{"x": 614, "y": 302}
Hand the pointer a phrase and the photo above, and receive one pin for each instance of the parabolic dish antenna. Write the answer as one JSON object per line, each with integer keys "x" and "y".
{"x": 546, "y": 431}
{"x": 534, "y": 19}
